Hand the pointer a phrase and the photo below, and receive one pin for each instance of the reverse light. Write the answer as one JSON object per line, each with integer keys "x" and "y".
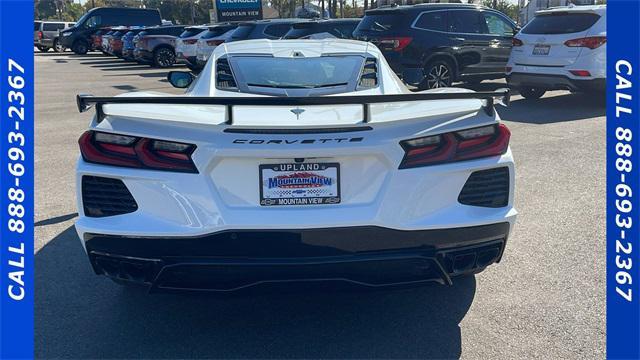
{"x": 395, "y": 43}
{"x": 591, "y": 42}
{"x": 455, "y": 146}
{"x": 131, "y": 151}
{"x": 214, "y": 42}
{"x": 516, "y": 42}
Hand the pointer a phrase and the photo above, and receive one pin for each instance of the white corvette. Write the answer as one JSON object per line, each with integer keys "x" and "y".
{"x": 294, "y": 160}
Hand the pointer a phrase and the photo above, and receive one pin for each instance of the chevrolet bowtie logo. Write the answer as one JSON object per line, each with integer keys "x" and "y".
{"x": 297, "y": 111}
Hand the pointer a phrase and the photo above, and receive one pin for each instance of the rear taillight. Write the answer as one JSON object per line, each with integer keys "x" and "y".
{"x": 581, "y": 73}
{"x": 508, "y": 69}
{"x": 591, "y": 42}
{"x": 461, "y": 145}
{"x": 131, "y": 151}
{"x": 190, "y": 41}
{"x": 394, "y": 43}
{"x": 40, "y": 35}
{"x": 516, "y": 42}
{"x": 214, "y": 42}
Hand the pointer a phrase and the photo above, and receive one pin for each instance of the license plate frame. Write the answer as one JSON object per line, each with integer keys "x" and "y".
{"x": 541, "y": 50}
{"x": 299, "y": 184}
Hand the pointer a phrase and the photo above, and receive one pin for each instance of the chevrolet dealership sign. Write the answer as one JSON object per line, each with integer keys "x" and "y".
{"x": 237, "y": 10}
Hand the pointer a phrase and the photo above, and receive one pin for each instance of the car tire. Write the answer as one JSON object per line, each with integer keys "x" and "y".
{"x": 80, "y": 47}
{"x": 42, "y": 48}
{"x": 438, "y": 73}
{"x": 57, "y": 47}
{"x": 163, "y": 57}
{"x": 531, "y": 93}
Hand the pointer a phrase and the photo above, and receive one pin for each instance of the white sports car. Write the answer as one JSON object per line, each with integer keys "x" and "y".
{"x": 294, "y": 160}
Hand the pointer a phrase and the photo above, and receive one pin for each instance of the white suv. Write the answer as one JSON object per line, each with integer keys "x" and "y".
{"x": 560, "y": 49}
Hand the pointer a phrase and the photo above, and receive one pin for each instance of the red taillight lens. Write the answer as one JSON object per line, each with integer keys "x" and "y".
{"x": 468, "y": 144}
{"x": 516, "y": 42}
{"x": 190, "y": 41}
{"x": 39, "y": 34}
{"x": 214, "y": 42}
{"x": 580, "y": 72}
{"x": 591, "y": 42}
{"x": 131, "y": 151}
{"x": 395, "y": 43}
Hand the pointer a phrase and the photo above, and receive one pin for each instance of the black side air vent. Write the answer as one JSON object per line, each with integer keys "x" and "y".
{"x": 486, "y": 188}
{"x": 106, "y": 197}
{"x": 224, "y": 76}
{"x": 369, "y": 76}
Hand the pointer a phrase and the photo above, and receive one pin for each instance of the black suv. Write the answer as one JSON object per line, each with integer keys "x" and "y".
{"x": 340, "y": 28}
{"x": 433, "y": 45}
{"x": 78, "y": 37}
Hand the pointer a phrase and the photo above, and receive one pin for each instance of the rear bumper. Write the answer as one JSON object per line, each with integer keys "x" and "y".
{"x": 235, "y": 259}
{"x": 555, "y": 82}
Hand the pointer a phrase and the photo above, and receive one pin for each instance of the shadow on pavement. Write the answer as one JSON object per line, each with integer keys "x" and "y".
{"x": 553, "y": 109}
{"x": 81, "y": 315}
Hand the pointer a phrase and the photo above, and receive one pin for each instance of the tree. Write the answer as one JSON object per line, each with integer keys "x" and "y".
{"x": 504, "y": 6}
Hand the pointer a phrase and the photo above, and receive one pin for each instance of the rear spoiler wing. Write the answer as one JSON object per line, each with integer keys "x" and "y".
{"x": 501, "y": 96}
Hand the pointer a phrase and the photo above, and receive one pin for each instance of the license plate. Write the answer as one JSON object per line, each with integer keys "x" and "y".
{"x": 541, "y": 49}
{"x": 299, "y": 184}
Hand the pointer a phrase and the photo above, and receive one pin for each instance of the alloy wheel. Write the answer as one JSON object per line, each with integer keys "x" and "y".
{"x": 165, "y": 58}
{"x": 439, "y": 76}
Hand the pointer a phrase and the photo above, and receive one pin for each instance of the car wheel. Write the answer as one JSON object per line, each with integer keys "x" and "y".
{"x": 42, "y": 48}
{"x": 57, "y": 47}
{"x": 531, "y": 93}
{"x": 438, "y": 74}
{"x": 164, "y": 57}
{"x": 80, "y": 48}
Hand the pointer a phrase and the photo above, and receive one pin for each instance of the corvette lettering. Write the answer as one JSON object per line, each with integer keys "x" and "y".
{"x": 295, "y": 141}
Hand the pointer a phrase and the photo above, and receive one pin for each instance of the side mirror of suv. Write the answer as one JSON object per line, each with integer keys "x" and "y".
{"x": 180, "y": 79}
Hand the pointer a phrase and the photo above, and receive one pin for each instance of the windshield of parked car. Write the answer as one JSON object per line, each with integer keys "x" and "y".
{"x": 560, "y": 23}
{"x": 297, "y": 72}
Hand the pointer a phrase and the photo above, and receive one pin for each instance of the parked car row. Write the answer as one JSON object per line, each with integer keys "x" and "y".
{"x": 427, "y": 45}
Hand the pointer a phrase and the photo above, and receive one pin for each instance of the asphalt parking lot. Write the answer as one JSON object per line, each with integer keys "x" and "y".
{"x": 546, "y": 299}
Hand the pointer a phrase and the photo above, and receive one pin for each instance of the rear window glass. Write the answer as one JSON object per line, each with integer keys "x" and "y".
{"x": 277, "y": 30}
{"x": 382, "y": 22}
{"x": 560, "y": 23}
{"x": 36, "y": 26}
{"x": 214, "y": 32}
{"x": 296, "y": 73}
{"x": 52, "y": 26}
{"x": 435, "y": 20}
{"x": 191, "y": 32}
{"x": 242, "y": 32}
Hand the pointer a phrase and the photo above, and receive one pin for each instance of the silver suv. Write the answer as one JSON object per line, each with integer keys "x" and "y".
{"x": 45, "y": 34}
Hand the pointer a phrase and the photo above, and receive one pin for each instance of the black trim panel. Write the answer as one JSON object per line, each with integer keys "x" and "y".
{"x": 295, "y": 243}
